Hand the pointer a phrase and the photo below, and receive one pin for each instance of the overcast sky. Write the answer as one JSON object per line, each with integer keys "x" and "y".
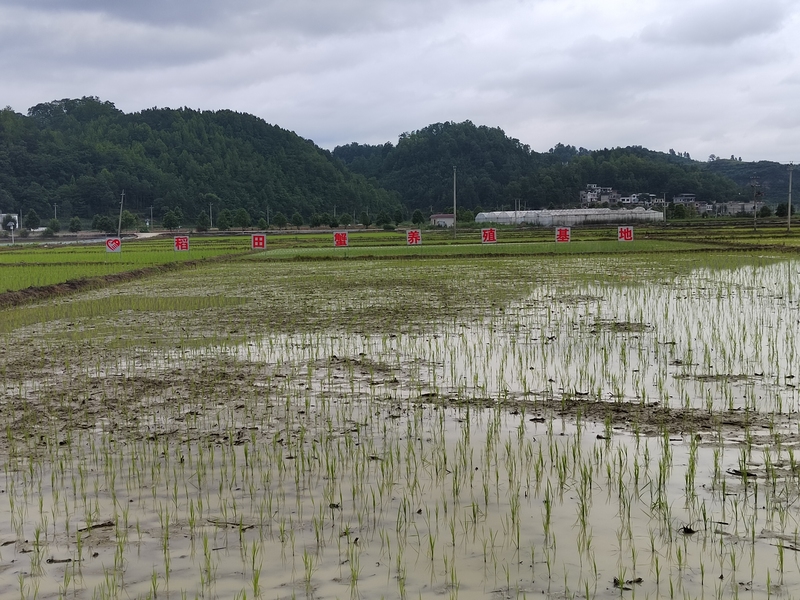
{"x": 699, "y": 76}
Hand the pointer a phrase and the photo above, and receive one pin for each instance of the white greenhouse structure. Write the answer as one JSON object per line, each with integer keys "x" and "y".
{"x": 570, "y": 216}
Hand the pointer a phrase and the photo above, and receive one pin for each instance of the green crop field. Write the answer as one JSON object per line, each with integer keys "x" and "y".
{"x": 27, "y": 265}
{"x": 33, "y": 265}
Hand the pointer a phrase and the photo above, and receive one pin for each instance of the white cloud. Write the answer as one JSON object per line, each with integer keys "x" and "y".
{"x": 703, "y": 77}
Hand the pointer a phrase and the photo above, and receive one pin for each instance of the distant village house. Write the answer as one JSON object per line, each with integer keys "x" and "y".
{"x": 595, "y": 195}
{"x": 443, "y": 220}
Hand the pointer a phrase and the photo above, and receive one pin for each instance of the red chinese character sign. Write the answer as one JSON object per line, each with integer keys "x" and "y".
{"x": 340, "y": 239}
{"x": 489, "y": 235}
{"x": 414, "y": 237}
{"x": 563, "y": 234}
{"x": 181, "y": 243}
{"x": 258, "y": 241}
{"x": 114, "y": 245}
{"x": 625, "y": 234}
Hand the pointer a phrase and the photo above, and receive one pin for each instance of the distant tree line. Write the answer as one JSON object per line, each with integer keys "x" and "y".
{"x": 496, "y": 172}
{"x": 73, "y": 158}
{"x": 77, "y": 156}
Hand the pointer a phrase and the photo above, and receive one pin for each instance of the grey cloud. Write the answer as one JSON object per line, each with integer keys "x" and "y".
{"x": 95, "y": 41}
{"x": 719, "y": 23}
{"x": 698, "y": 79}
{"x": 306, "y": 17}
{"x": 160, "y": 12}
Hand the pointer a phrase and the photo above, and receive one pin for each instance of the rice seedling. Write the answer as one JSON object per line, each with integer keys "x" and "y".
{"x": 314, "y": 447}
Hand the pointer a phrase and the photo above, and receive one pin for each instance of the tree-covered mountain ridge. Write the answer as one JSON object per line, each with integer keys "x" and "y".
{"x": 75, "y": 157}
{"x": 495, "y": 171}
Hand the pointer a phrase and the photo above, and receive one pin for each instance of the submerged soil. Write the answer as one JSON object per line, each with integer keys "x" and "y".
{"x": 496, "y": 430}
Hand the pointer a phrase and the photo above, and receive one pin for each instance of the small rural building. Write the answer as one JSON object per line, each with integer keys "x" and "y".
{"x": 738, "y": 208}
{"x": 443, "y": 220}
{"x": 595, "y": 194}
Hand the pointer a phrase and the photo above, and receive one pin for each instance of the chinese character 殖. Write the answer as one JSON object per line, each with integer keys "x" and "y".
{"x": 489, "y": 236}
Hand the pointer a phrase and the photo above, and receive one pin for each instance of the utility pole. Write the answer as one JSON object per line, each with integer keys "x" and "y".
{"x": 455, "y": 218}
{"x": 119, "y": 224}
{"x": 210, "y": 217}
{"x": 789, "y": 212}
{"x": 152, "y": 225}
{"x": 754, "y": 184}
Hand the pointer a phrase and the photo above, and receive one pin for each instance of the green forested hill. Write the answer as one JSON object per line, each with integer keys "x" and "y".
{"x": 772, "y": 178}
{"x": 80, "y": 154}
{"x": 494, "y": 171}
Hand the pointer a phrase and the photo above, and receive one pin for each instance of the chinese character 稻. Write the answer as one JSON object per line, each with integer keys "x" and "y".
{"x": 182, "y": 243}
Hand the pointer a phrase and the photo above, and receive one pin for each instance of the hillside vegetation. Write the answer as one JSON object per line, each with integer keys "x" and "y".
{"x": 772, "y": 178}
{"x": 74, "y": 157}
{"x": 495, "y": 171}
{"x": 81, "y": 154}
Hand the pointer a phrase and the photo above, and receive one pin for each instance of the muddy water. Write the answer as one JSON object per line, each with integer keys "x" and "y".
{"x": 492, "y": 453}
{"x": 395, "y": 501}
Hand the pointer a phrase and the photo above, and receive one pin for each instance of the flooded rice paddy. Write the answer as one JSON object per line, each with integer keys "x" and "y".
{"x": 502, "y": 428}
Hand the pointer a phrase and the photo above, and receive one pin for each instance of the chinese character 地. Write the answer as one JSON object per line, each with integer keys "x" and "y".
{"x": 340, "y": 239}
{"x": 488, "y": 236}
{"x": 562, "y": 234}
{"x": 625, "y": 234}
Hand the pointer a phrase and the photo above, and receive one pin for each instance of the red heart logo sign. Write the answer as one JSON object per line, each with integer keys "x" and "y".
{"x": 113, "y": 244}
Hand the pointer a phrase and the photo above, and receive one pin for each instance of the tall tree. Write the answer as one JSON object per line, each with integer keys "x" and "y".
{"x": 32, "y": 220}
{"x": 241, "y": 219}
{"x": 171, "y": 221}
{"x": 280, "y": 220}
